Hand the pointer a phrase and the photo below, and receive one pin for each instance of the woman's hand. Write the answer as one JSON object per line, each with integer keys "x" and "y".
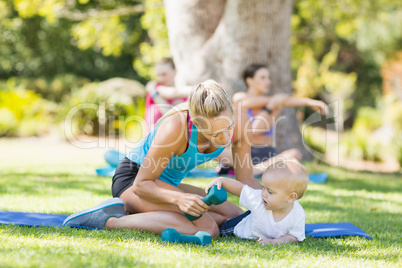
{"x": 192, "y": 204}
{"x": 319, "y": 106}
{"x": 151, "y": 87}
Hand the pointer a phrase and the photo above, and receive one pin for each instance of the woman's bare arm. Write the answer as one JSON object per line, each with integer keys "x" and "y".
{"x": 246, "y": 101}
{"x": 230, "y": 185}
{"x": 241, "y": 150}
{"x": 314, "y": 104}
{"x": 168, "y": 141}
{"x": 174, "y": 92}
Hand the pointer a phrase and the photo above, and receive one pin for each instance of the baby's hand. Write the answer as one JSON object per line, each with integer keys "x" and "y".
{"x": 264, "y": 240}
{"x": 217, "y": 182}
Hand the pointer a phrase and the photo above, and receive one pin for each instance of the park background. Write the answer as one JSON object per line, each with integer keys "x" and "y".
{"x": 56, "y": 55}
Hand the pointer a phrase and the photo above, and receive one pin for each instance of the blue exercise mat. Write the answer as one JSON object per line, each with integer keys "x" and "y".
{"x": 41, "y": 219}
{"x": 334, "y": 230}
{"x": 31, "y": 219}
{"x": 318, "y": 177}
{"x": 210, "y": 172}
{"x": 34, "y": 219}
{"x": 107, "y": 171}
{"x": 113, "y": 158}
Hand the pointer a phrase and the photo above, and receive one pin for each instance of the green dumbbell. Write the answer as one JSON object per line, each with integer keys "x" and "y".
{"x": 173, "y": 236}
{"x": 214, "y": 196}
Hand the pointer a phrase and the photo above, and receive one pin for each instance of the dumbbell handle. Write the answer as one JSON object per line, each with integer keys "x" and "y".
{"x": 207, "y": 200}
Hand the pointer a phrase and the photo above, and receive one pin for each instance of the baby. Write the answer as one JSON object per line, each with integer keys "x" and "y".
{"x": 275, "y": 216}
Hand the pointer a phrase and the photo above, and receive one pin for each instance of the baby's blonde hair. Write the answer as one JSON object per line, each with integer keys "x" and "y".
{"x": 294, "y": 172}
{"x": 206, "y": 100}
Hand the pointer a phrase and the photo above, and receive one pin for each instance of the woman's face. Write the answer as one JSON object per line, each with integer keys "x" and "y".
{"x": 218, "y": 130}
{"x": 165, "y": 74}
{"x": 260, "y": 82}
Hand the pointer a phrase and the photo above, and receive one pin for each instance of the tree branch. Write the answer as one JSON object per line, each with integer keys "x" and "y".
{"x": 120, "y": 11}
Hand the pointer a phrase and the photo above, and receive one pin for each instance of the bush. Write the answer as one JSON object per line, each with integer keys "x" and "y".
{"x": 8, "y": 122}
{"x": 368, "y": 119}
{"x": 313, "y": 138}
{"x": 53, "y": 89}
{"x": 394, "y": 112}
{"x": 88, "y": 112}
{"x": 361, "y": 146}
{"x": 24, "y": 113}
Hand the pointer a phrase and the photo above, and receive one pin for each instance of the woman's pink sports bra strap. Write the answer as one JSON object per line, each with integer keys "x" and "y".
{"x": 190, "y": 125}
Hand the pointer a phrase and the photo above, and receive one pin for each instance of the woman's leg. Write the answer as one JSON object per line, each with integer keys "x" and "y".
{"x": 220, "y": 213}
{"x": 135, "y": 204}
{"x": 155, "y": 217}
{"x": 157, "y": 221}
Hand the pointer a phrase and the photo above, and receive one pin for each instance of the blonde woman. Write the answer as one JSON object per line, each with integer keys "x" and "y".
{"x": 148, "y": 180}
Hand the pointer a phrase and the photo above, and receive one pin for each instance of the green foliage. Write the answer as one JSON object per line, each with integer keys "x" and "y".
{"x": 393, "y": 112}
{"x": 313, "y": 138}
{"x": 90, "y": 113}
{"x": 397, "y": 145}
{"x": 368, "y": 119}
{"x": 157, "y": 47}
{"x": 359, "y": 143}
{"x": 360, "y": 146}
{"x": 33, "y": 45}
{"x": 47, "y": 8}
{"x": 364, "y": 34}
{"x": 315, "y": 78}
{"x": 24, "y": 113}
{"x": 88, "y": 36}
{"x": 53, "y": 89}
{"x": 337, "y": 47}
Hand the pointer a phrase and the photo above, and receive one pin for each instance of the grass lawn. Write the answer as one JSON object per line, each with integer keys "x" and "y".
{"x": 371, "y": 201}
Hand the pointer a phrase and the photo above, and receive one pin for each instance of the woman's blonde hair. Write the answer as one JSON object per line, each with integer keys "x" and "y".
{"x": 206, "y": 100}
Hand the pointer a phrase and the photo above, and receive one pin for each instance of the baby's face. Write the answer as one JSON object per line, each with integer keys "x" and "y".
{"x": 275, "y": 194}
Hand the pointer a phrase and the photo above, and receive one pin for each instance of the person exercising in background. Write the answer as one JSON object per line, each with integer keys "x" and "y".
{"x": 162, "y": 94}
{"x": 263, "y": 112}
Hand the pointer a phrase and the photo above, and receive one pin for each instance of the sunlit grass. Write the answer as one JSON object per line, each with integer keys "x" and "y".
{"x": 370, "y": 201}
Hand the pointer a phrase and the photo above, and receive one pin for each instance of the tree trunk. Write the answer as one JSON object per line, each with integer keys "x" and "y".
{"x": 218, "y": 39}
